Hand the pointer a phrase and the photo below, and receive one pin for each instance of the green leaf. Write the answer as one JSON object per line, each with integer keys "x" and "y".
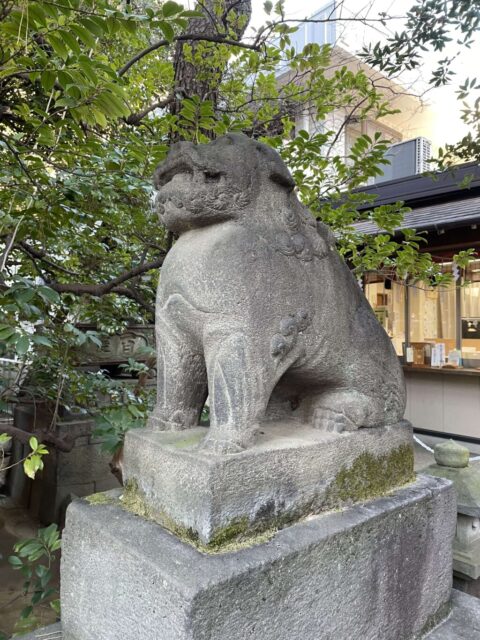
{"x": 15, "y": 561}
{"x": 33, "y": 442}
{"x": 26, "y": 612}
{"x": 4, "y": 438}
{"x": 48, "y": 294}
{"x": 31, "y": 465}
{"x": 47, "y": 79}
{"x": 70, "y": 41}
{"x": 95, "y": 25}
{"x": 100, "y": 118}
{"x": 55, "y": 604}
{"x": 84, "y": 35}
{"x": 22, "y": 345}
{"x": 49, "y": 534}
{"x": 167, "y": 30}
{"x": 171, "y": 8}
{"x": 58, "y": 46}
{"x": 6, "y": 332}
{"x": 192, "y": 14}
{"x": 42, "y": 340}
{"x": 86, "y": 66}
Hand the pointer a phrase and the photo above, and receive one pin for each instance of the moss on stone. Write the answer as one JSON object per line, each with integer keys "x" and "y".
{"x": 234, "y": 529}
{"x": 371, "y": 476}
{"x": 100, "y": 498}
{"x": 435, "y": 619}
{"x": 133, "y": 501}
{"x": 368, "y": 477}
{"x": 189, "y": 441}
{"x": 235, "y": 536}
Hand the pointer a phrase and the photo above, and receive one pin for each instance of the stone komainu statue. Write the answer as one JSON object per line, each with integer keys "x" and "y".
{"x": 256, "y": 308}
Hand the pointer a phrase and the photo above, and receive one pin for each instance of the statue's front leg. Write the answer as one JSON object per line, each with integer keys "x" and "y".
{"x": 239, "y": 387}
{"x": 181, "y": 382}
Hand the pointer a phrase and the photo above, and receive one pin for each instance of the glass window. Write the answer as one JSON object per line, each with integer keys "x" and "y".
{"x": 323, "y": 32}
{"x": 387, "y": 299}
{"x": 470, "y": 304}
{"x": 432, "y": 318}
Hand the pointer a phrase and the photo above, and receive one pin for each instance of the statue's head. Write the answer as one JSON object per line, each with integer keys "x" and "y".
{"x": 205, "y": 184}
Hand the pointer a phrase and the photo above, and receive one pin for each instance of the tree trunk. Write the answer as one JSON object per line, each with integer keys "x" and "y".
{"x": 221, "y": 17}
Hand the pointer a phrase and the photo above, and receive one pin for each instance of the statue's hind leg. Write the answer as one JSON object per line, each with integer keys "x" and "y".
{"x": 342, "y": 410}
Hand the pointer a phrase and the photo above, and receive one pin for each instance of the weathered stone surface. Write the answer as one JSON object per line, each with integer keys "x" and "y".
{"x": 255, "y": 303}
{"x": 467, "y": 485}
{"x": 291, "y": 471}
{"x": 466, "y": 480}
{"x": 463, "y": 622}
{"x": 466, "y": 546}
{"x": 377, "y": 570}
{"x": 451, "y": 454}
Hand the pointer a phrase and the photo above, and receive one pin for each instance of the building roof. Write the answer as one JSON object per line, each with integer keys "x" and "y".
{"x": 422, "y": 189}
{"x": 438, "y": 215}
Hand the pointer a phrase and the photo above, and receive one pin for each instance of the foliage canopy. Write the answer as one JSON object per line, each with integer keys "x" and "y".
{"x": 93, "y": 92}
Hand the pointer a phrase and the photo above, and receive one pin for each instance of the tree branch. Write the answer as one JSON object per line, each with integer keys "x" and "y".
{"x": 62, "y": 444}
{"x": 98, "y": 290}
{"x": 187, "y": 37}
{"x": 41, "y": 255}
{"x": 130, "y": 292}
{"x": 135, "y": 118}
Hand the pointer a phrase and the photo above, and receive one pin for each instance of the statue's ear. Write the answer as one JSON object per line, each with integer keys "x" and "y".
{"x": 277, "y": 171}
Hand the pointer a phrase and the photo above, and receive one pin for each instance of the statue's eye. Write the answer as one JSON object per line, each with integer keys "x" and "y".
{"x": 210, "y": 176}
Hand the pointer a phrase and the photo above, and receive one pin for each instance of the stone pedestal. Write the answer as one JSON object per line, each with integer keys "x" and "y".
{"x": 381, "y": 569}
{"x": 292, "y": 471}
{"x": 452, "y": 462}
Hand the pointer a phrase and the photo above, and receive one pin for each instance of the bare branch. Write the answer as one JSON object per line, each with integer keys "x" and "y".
{"x": 135, "y": 118}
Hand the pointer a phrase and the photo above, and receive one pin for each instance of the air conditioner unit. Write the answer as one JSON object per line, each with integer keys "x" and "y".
{"x": 406, "y": 159}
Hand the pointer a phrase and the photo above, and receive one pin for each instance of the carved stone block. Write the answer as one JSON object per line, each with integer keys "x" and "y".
{"x": 292, "y": 470}
{"x": 380, "y": 570}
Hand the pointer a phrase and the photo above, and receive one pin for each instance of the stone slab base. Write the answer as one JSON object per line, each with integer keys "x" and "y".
{"x": 463, "y": 623}
{"x": 376, "y": 570}
{"x": 293, "y": 470}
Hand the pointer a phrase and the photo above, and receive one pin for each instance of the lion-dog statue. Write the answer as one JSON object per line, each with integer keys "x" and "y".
{"x": 257, "y": 309}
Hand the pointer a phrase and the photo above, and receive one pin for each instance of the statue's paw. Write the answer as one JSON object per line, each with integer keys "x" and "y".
{"x": 332, "y": 421}
{"x": 220, "y": 447}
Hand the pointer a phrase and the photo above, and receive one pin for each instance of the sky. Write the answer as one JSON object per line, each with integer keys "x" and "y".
{"x": 448, "y": 126}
